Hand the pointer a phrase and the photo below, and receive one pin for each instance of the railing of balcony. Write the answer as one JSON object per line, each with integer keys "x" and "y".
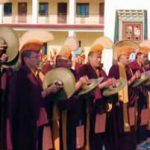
{"x": 93, "y": 19}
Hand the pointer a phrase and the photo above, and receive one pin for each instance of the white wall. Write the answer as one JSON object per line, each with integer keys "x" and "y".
{"x": 109, "y": 19}
{"x": 110, "y": 10}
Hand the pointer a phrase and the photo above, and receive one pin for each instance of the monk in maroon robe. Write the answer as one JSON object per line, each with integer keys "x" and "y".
{"x": 6, "y": 73}
{"x": 27, "y": 113}
{"x": 138, "y": 65}
{"x": 74, "y": 108}
{"x": 98, "y": 104}
{"x": 121, "y": 122}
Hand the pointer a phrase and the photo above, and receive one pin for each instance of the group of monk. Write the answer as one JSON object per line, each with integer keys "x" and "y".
{"x": 30, "y": 119}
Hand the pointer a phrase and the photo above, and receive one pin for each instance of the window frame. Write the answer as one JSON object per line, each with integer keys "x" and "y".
{"x": 101, "y": 8}
{"x": 43, "y": 14}
{"x": 7, "y": 14}
{"x": 86, "y": 14}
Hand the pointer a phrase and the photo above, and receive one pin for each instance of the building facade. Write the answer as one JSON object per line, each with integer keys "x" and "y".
{"x": 86, "y": 19}
{"x": 127, "y": 19}
{"x": 83, "y": 18}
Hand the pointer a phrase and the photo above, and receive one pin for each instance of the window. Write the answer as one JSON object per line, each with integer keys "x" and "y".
{"x": 43, "y": 9}
{"x": 83, "y": 9}
{"x": 22, "y": 12}
{"x": 62, "y": 12}
{"x": 7, "y": 9}
{"x": 101, "y": 9}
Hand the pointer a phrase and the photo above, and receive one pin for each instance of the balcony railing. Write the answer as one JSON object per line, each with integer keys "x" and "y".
{"x": 92, "y": 19}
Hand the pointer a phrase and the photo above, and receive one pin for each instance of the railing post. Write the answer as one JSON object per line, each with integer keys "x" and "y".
{"x": 1, "y": 12}
{"x": 72, "y": 14}
{"x": 35, "y": 9}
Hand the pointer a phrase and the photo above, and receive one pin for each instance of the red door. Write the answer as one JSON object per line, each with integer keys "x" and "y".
{"x": 132, "y": 31}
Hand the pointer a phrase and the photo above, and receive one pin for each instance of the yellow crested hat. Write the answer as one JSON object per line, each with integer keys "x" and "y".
{"x": 144, "y": 50}
{"x": 124, "y": 50}
{"x": 124, "y": 47}
{"x": 32, "y": 46}
{"x": 65, "y": 52}
{"x": 96, "y": 49}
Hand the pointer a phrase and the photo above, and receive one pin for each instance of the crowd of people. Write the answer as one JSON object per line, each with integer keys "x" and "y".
{"x": 30, "y": 119}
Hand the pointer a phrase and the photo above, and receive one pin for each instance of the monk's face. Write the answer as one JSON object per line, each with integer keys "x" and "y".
{"x": 95, "y": 60}
{"x": 124, "y": 59}
{"x": 34, "y": 60}
{"x": 63, "y": 62}
{"x": 142, "y": 58}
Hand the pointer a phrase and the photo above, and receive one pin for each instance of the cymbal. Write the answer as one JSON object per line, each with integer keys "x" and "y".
{"x": 144, "y": 77}
{"x": 92, "y": 85}
{"x": 64, "y": 76}
{"x": 9, "y": 37}
{"x": 134, "y": 45}
{"x": 40, "y": 35}
{"x": 115, "y": 90}
{"x": 147, "y": 83}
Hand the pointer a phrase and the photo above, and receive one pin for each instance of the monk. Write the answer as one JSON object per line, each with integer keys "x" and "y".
{"x": 97, "y": 103}
{"x": 74, "y": 106}
{"x": 139, "y": 65}
{"x": 6, "y": 73}
{"x": 27, "y": 113}
{"x": 121, "y": 122}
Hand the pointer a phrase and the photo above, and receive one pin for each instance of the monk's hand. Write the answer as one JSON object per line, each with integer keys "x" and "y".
{"x": 3, "y": 58}
{"x": 81, "y": 82}
{"x": 84, "y": 80}
{"x": 114, "y": 82}
{"x": 54, "y": 88}
{"x": 111, "y": 87}
{"x": 107, "y": 83}
{"x": 137, "y": 74}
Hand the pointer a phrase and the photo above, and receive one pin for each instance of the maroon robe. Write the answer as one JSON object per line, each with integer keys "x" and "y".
{"x": 5, "y": 76}
{"x": 117, "y": 138}
{"x": 98, "y": 106}
{"x": 142, "y": 102}
{"x": 46, "y": 67}
{"x": 75, "y": 111}
{"x": 135, "y": 67}
{"x": 25, "y": 103}
{"x": 76, "y": 115}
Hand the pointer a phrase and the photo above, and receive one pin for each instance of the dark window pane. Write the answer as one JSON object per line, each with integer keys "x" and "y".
{"x": 101, "y": 9}
{"x": 62, "y": 8}
{"x": 62, "y": 12}
{"x": 22, "y": 12}
{"x": 43, "y": 9}
{"x": 83, "y": 9}
{"x": 8, "y": 9}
